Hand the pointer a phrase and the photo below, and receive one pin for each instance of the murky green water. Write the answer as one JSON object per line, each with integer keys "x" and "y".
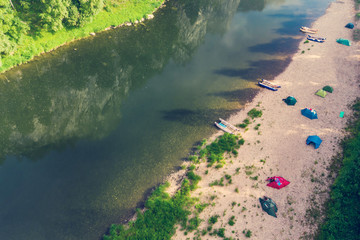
{"x": 87, "y": 130}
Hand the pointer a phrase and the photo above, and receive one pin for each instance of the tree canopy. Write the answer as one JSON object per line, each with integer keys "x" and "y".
{"x": 23, "y": 17}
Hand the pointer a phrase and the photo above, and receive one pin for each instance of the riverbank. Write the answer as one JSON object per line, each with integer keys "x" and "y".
{"x": 275, "y": 143}
{"x": 127, "y": 13}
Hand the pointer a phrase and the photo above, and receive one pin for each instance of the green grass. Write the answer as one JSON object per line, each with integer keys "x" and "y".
{"x": 159, "y": 219}
{"x": 254, "y": 113}
{"x": 163, "y": 212}
{"x": 244, "y": 124}
{"x": 213, "y": 219}
{"x": 214, "y": 152}
{"x": 231, "y": 221}
{"x": 128, "y": 11}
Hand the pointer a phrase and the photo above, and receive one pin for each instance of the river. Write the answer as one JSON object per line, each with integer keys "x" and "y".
{"x": 89, "y": 129}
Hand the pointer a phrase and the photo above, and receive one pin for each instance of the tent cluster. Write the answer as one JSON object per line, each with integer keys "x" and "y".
{"x": 344, "y": 41}
{"x": 267, "y": 204}
{"x": 322, "y": 92}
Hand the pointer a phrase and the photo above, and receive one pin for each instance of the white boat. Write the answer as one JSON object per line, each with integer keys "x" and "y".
{"x": 308, "y": 30}
{"x": 269, "y": 85}
{"x": 316, "y": 39}
{"x": 227, "y": 127}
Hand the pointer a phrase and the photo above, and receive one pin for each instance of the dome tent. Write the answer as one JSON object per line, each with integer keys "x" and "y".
{"x": 290, "y": 100}
{"x": 350, "y": 25}
{"x": 315, "y": 140}
{"x": 321, "y": 93}
{"x": 309, "y": 113}
{"x": 269, "y": 206}
{"x": 328, "y": 89}
{"x": 343, "y": 41}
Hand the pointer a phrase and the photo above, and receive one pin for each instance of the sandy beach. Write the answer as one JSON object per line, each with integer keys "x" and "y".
{"x": 280, "y": 141}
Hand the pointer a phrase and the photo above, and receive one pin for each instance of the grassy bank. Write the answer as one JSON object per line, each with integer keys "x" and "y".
{"x": 114, "y": 14}
{"x": 343, "y": 209}
{"x": 163, "y": 212}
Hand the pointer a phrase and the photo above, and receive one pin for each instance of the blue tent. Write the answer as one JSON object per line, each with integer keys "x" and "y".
{"x": 350, "y": 25}
{"x": 314, "y": 139}
{"x": 310, "y": 113}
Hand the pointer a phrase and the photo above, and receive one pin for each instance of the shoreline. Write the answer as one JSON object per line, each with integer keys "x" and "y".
{"x": 75, "y": 37}
{"x": 280, "y": 141}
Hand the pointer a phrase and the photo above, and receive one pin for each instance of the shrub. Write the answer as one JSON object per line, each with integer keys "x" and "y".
{"x": 221, "y": 232}
{"x": 213, "y": 219}
{"x": 194, "y": 159}
{"x": 254, "y": 113}
{"x": 193, "y": 223}
{"x": 231, "y": 221}
{"x": 247, "y": 233}
{"x": 201, "y": 206}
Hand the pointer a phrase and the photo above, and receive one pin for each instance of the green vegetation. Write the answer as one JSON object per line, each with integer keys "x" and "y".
{"x": 163, "y": 212}
{"x": 342, "y": 220}
{"x": 356, "y": 35}
{"x": 159, "y": 219}
{"x": 247, "y": 233}
{"x": 213, "y": 219}
{"x": 193, "y": 224}
{"x": 249, "y": 170}
{"x": 29, "y": 28}
{"x": 254, "y": 113}
{"x": 221, "y": 232}
{"x": 215, "y": 151}
{"x": 307, "y": 41}
{"x": 194, "y": 159}
{"x": 245, "y": 123}
{"x": 231, "y": 221}
{"x": 217, "y": 182}
{"x": 201, "y": 206}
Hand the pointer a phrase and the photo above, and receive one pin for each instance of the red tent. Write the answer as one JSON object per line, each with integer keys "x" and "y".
{"x": 277, "y": 182}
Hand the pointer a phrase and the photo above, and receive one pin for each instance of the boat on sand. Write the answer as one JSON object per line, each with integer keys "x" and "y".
{"x": 266, "y": 84}
{"x": 227, "y": 127}
{"x": 308, "y": 30}
{"x": 316, "y": 39}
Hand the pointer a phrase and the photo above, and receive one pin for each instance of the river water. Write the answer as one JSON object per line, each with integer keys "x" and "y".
{"x": 89, "y": 129}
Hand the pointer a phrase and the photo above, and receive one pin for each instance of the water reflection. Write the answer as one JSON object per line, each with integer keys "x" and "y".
{"x": 106, "y": 118}
{"x": 76, "y": 92}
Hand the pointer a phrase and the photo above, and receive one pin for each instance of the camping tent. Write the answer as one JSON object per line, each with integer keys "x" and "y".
{"x": 321, "y": 93}
{"x": 269, "y": 206}
{"x": 290, "y": 100}
{"x": 343, "y": 41}
{"x": 328, "y": 89}
{"x": 350, "y": 25}
{"x": 277, "y": 182}
{"x": 314, "y": 139}
{"x": 310, "y": 113}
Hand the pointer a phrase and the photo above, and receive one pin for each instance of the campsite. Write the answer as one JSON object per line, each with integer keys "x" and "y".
{"x": 161, "y": 125}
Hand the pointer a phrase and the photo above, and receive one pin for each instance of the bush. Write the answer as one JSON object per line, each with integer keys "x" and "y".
{"x": 231, "y": 221}
{"x": 221, "y": 232}
{"x": 213, "y": 219}
{"x": 193, "y": 223}
{"x": 254, "y": 113}
{"x": 159, "y": 219}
